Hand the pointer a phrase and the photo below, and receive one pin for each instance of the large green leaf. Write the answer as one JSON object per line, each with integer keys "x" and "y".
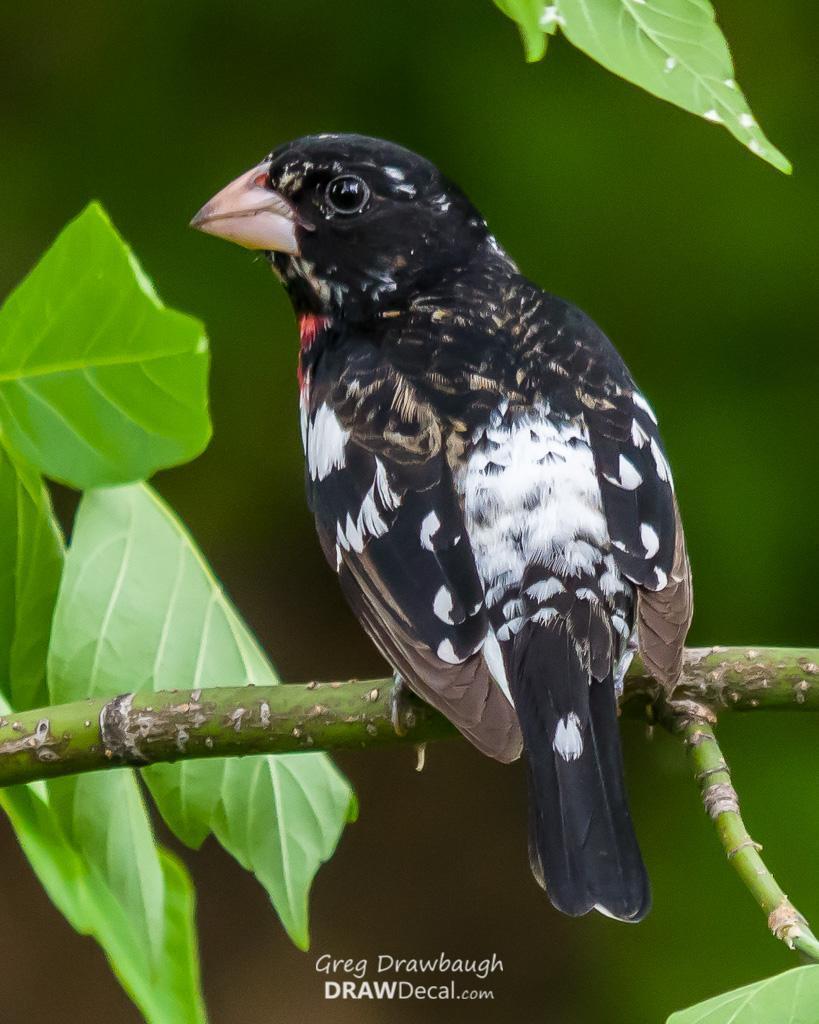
{"x": 99, "y": 382}
{"x": 672, "y": 48}
{"x": 139, "y": 609}
{"x": 31, "y": 554}
{"x": 789, "y": 998}
{"x": 90, "y": 843}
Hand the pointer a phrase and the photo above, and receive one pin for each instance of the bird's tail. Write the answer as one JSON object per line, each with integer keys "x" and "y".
{"x": 582, "y": 845}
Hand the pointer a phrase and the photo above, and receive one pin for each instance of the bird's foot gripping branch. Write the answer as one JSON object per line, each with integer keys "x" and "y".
{"x": 138, "y": 730}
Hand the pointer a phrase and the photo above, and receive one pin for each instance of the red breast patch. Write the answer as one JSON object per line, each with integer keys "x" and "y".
{"x": 309, "y": 326}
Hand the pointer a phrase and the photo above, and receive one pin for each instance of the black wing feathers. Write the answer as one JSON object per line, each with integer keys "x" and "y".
{"x": 392, "y": 527}
{"x": 409, "y": 544}
{"x": 637, "y": 491}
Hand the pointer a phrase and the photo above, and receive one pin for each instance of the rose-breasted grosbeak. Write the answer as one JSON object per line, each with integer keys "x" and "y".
{"x": 486, "y": 480}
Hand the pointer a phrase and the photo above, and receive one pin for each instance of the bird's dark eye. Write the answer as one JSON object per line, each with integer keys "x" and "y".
{"x": 347, "y": 194}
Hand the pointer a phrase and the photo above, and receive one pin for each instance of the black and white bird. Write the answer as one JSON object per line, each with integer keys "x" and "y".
{"x": 486, "y": 479}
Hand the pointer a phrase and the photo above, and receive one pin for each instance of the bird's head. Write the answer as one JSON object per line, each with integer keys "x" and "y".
{"x": 352, "y": 225}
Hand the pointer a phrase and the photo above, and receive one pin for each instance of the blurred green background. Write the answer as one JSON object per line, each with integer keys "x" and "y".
{"x": 699, "y": 260}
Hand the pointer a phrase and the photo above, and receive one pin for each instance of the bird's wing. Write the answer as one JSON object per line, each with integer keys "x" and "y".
{"x": 643, "y": 520}
{"x": 390, "y": 524}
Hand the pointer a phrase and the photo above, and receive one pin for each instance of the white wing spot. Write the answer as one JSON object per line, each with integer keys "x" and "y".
{"x": 629, "y": 478}
{"x": 712, "y": 115}
{"x": 442, "y": 605}
{"x": 568, "y": 741}
{"x": 446, "y": 652}
{"x": 509, "y": 629}
{"x": 369, "y": 522}
{"x": 326, "y": 439}
{"x": 494, "y": 662}
{"x": 430, "y": 525}
{"x": 349, "y": 535}
{"x": 660, "y": 461}
{"x": 641, "y": 403}
{"x": 389, "y": 499}
{"x": 662, "y": 578}
{"x": 651, "y": 542}
{"x": 638, "y": 436}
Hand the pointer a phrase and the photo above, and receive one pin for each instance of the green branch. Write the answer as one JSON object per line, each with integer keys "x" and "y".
{"x": 146, "y": 728}
{"x": 229, "y": 721}
{"x": 722, "y": 806}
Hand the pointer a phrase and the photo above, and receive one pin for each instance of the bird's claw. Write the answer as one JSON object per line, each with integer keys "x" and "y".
{"x": 402, "y": 717}
{"x": 398, "y": 709}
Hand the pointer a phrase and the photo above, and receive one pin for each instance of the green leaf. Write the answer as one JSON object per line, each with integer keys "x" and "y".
{"x": 90, "y": 844}
{"x": 31, "y": 557}
{"x": 527, "y": 14}
{"x": 188, "y": 795}
{"x": 99, "y": 382}
{"x": 139, "y": 609}
{"x": 789, "y": 998}
{"x": 672, "y": 48}
{"x": 281, "y": 818}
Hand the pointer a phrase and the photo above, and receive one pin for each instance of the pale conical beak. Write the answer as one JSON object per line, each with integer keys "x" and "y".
{"x": 251, "y": 214}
